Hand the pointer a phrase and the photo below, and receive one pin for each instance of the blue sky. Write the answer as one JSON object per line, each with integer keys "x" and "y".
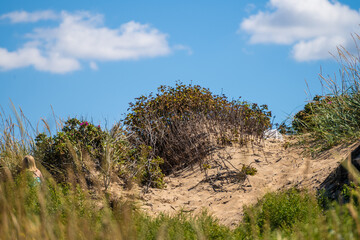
{"x": 90, "y": 59}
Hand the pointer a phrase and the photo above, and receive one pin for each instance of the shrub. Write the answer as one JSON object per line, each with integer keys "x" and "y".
{"x": 141, "y": 167}
{"x": 183, "y": 124}
{"x": 80, "y": 149}
{"x": 67, "y": 150}
{"x": 280, "y": 210}
{"x": 303, "y": 121}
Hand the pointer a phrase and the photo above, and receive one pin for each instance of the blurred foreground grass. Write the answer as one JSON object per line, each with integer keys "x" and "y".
{"x": 53, "y": 211}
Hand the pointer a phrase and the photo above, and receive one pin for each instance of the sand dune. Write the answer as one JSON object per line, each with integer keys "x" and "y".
{"x": 223, "y": 192}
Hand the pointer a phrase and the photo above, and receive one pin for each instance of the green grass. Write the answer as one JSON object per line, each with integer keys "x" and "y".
{"x": 53, "y": 211}
{"x": 334, "y": 117}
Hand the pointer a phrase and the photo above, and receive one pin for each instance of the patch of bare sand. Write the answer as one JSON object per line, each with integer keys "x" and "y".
{"x": 224, "y": 194}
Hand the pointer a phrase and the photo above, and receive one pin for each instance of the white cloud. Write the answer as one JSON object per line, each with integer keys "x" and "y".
{"x": 313, "y": 27}
{"x": 29, "y": 56}
{"x": 80, "y": 37}
{"x": 93, "y": 66}
{"x": 22, "y": 16}
{"x": 183, "y": 48}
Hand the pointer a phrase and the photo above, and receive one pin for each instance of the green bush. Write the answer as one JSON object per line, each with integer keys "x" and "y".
{"x": 303, "y": 120}
{"x": 81, "y": 148}
{"x": 281, "y": 210}
{"x": 66, "y": 150}
{"x": 183, "y": 124}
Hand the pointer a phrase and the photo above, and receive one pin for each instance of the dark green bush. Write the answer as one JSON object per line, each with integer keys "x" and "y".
{"x": 66, "y": 150}
{"x": 183, "y": 124}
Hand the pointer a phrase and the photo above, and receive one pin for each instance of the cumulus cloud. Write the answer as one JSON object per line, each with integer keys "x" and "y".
{"x": 22, "y": 16}
{"x": 313, "y": 27}
{"x": 80, "y": 37}
{"x": 30, "y": 56}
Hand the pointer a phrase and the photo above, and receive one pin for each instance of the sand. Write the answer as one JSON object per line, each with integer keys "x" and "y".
{"x": 224, "y": 193}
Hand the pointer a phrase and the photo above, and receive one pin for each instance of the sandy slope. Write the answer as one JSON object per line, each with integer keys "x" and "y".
{"x": 224, "y": 193}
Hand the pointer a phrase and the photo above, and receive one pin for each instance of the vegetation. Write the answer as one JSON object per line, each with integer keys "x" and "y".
{"x": 64, "y": 211}
{"x": 182, "y": 125}
{"x": 185, "y": 123}
{"x": 303, "y": 120}
{"x": 334, "y": 117}
{"x": 59, "y": 152}
{"x": 282, "y": 210}
{"x": 249, "y": 170}
{"x": 80, "y": 149}
{"x": 175, "y": 128}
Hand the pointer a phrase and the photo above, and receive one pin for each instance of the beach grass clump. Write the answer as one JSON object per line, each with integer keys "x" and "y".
{"x": 334, "y": 117}
{"x": 331, "y": 119}
{"x": 16, "y": 141}
{"x": 183, "y": 124}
